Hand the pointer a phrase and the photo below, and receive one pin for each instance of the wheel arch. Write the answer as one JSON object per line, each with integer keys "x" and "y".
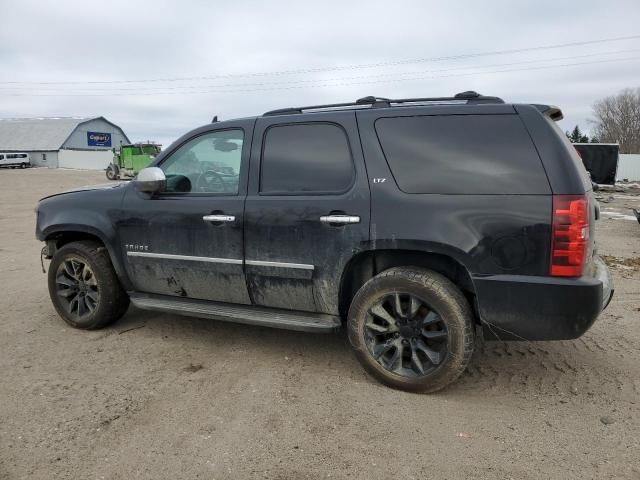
{"x": 58, "y": 236}
{"x": 367, "y": 264}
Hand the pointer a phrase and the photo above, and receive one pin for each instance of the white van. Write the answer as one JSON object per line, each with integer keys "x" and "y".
{"x": 14, "y": 160}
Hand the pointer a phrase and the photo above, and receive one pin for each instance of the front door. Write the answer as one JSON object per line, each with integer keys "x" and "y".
{"x": 188, "y": 240}
{"x": 307, "y": 211}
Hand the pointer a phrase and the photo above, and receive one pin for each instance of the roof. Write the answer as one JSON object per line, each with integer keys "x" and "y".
{"x": 37, "y": 133}
{"x": 466, "y": 98}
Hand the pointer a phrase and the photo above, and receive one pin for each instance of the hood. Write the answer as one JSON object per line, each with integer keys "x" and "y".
{"x": 102, "y": 186}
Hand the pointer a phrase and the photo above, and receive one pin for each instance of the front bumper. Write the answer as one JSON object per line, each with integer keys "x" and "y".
{"x": 518, "y": 307}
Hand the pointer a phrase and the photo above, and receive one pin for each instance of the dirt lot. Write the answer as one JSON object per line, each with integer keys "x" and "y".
{"x": 188, "y": 398}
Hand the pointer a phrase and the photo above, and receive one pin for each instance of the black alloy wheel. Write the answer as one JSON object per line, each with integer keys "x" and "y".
{"x": 84, "y": 287}
{"x": 77, "y": 287}
{"x": 411, "y": 328}
{"x": 405, "y": 335}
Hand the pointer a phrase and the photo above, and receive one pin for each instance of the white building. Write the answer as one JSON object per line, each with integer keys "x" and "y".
{"x": 63, "y": 142}
{"x": 628, "y": 167}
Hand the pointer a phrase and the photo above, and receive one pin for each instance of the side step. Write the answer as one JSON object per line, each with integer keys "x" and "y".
{"x": 229, "y": 312}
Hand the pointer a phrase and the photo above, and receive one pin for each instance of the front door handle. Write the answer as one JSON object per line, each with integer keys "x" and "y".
{"x": 340, "y": 219}
{"x": 219, "y": 218}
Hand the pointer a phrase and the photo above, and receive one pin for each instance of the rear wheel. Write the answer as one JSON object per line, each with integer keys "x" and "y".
{"x": 83, "y": 286}
{"x": 411, "y": 329}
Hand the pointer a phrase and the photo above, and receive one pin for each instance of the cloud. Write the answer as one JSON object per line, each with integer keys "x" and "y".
{"x": 122, "y": 40}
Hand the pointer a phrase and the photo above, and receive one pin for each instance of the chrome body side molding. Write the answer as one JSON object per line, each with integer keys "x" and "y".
{"x": 262, "y": 263}
{"x": 235, "y": 261}
{"x": 169, "y": 256}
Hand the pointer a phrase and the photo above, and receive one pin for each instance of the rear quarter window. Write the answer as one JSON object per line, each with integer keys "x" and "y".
{"x": 461, "y": 154}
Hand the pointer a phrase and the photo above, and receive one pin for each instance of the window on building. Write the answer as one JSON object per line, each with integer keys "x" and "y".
{"x": 306, "y": 158}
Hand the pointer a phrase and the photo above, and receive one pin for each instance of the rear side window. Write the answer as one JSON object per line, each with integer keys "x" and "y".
{"x": 306, "y": 158}
{"x": 462, "y": 154}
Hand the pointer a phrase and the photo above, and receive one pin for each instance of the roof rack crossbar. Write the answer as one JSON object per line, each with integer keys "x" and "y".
{"x": 469, "y": 97}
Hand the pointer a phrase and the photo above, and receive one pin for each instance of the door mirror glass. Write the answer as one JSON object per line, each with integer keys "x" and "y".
{"x": 151, "y": 180}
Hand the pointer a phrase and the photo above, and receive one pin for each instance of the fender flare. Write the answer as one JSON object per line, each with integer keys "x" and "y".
{"x": 107, "y": 239}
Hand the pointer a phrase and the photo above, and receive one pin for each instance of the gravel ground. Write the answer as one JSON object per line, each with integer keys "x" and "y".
{"x": 162, "y": 396}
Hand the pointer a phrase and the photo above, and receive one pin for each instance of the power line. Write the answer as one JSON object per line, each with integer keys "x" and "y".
{"x": 291, "y": 87}
{"x": 394, "y": 75}
{"x": 336, "y": 68}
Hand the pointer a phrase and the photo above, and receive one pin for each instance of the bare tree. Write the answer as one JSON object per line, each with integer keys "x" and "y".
{"x": 617, "y": 120}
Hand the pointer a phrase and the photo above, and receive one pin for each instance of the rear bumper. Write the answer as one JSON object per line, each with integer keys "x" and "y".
{"x": 517, "y": 307}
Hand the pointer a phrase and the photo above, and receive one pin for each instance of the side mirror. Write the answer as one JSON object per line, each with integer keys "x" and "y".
{"x": 151, "y": 180}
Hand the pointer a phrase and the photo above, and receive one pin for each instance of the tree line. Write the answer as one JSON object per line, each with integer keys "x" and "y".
{"x": 616, "y": 120}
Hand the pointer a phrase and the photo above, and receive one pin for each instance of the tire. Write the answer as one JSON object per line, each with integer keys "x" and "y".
{"x": 99, "y": 298}
{"x": 23, "y": 165}
{"x": 111, "y": 173}
{"x": 435, "y": 325}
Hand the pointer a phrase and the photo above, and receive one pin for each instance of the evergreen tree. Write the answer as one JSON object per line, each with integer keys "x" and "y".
{"x": 576, "y": 136}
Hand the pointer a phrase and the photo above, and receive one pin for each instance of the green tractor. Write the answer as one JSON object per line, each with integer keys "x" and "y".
{"x": 131, "y": 159}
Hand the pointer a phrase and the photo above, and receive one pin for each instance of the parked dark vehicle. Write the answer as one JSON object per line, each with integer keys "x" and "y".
{"x": 418, "y": 224}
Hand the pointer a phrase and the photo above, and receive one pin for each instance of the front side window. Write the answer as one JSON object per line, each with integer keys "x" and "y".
{"x": 306, "y": 158}
{"x": 209, "y": 163}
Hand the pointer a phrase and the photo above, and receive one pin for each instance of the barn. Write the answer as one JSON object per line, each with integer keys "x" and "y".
{"x": 63, "y": 142}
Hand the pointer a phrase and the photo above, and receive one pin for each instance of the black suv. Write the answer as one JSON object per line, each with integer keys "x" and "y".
{"x": 419, "y": 223}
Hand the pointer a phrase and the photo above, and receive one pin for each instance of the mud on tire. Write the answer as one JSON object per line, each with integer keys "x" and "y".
{"x": 412, "y": 329}
{"x": 83, "y": 286}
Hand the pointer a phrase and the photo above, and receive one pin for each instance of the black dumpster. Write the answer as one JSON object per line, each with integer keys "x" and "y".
{"x": 600, "y": 160}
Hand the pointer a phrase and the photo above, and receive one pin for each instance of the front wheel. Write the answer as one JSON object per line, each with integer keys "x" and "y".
{"x": 411, "y": 329}
{"x": 23, "y": 165}
{"x": 83, "y": 286}
{"x": 112, "y": 172}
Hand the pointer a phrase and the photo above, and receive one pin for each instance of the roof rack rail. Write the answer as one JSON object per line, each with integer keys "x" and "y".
{"x": 468, "y": 97}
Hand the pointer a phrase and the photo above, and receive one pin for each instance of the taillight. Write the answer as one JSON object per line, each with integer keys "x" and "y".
{"x": 569, "y": 235}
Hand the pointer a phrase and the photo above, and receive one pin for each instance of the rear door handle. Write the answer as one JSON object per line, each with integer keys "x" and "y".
{"x": 219, "y": 218}
{"x": 340, "y": 219}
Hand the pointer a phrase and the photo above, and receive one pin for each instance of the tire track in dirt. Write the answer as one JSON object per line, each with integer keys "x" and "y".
{"x": 552, "y": 368}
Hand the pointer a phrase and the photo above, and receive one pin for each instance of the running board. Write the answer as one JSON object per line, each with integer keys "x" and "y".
{"x": 229, "y": 312}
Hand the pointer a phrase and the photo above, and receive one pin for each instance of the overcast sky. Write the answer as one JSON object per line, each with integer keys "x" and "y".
{"x": 331, "y": 45}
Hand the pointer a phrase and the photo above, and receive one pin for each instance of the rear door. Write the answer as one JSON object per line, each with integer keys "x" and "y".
{"x": 307, "y": 209}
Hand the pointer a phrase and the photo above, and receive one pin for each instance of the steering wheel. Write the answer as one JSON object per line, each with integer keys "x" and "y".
{"x": 210, "y": 181}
